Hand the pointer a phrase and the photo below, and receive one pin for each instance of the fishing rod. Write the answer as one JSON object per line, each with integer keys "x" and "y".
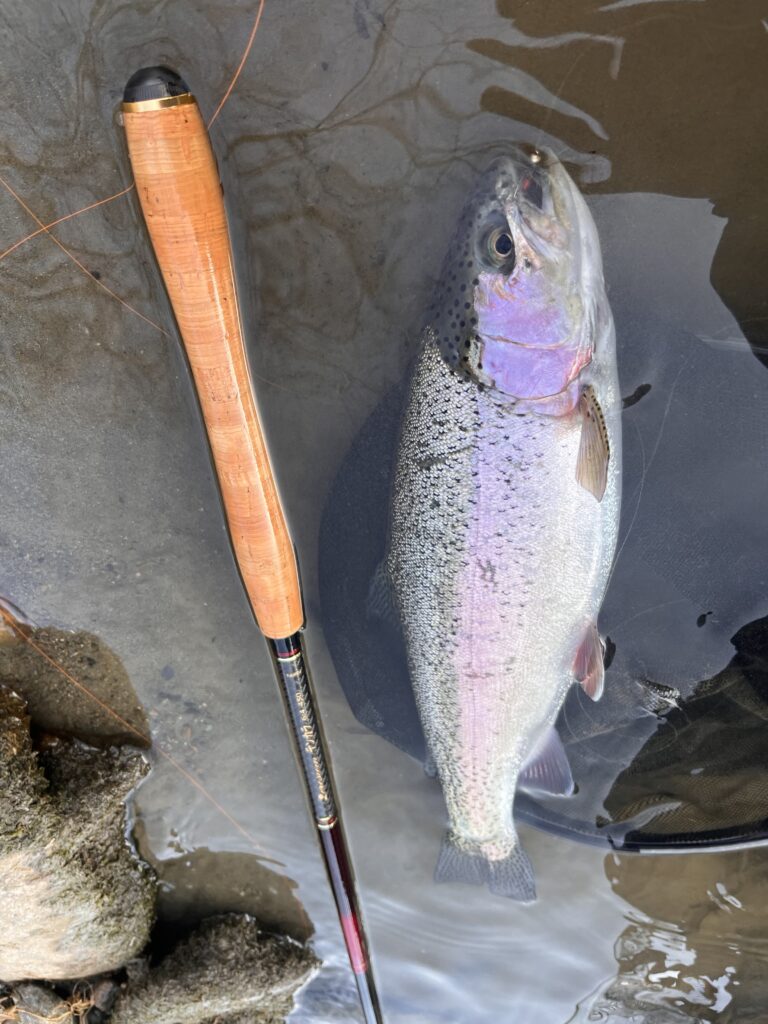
{"x": 177, "y": 182}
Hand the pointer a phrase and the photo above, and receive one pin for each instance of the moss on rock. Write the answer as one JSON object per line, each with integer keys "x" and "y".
{"x": 227, "y": 970}
{"x": 82, "y": 903}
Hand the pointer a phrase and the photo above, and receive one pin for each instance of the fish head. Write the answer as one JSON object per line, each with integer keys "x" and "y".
{"x": 521, "y": 300}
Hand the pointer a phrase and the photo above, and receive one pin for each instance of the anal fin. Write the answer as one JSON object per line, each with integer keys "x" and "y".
{"x": 547, "y": 769}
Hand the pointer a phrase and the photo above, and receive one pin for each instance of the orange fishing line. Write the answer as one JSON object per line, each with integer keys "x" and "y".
{"x": 60, "y": 220}
{"x": 77, "y": 262}
{"x": 241, "y": 65}
{"x": 45, "y": 228}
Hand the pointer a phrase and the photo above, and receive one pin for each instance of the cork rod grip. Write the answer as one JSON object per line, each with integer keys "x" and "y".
{"x": 178, "y": 186}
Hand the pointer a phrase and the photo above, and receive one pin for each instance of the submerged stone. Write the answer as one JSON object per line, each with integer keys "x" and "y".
{"x": 40, "y": 663}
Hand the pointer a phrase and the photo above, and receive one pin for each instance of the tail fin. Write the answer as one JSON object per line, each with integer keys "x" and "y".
{"x": 512, "y": 876}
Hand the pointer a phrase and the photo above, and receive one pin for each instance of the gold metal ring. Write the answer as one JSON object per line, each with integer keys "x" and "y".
{"x": 167, "y": 101}
{"x": 285, "y": 658}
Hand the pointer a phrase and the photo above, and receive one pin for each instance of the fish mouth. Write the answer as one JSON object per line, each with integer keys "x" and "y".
{"x": 559, "y": 229}
{"x": 528, "y": 179}
{"x": 541, "y": 203}
{"x": 529, "y": 169}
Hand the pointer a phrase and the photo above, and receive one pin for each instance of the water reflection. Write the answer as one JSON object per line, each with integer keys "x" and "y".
{"x": 707, "y": 767}
{"x": 671, "y": 85}
{"x": 694, "y": 946}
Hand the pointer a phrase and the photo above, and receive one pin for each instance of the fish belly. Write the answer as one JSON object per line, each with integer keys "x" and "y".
{"x": 499, "y": 561}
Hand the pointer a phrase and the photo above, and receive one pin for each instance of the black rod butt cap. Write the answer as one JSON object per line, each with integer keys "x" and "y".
{"x": 154, "y": 84}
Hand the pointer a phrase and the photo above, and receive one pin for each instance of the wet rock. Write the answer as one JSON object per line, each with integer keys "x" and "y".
{"x": 226, "y": 971}
{"x": 35, "y": 1003}
{"x": 80, "y": 901}
{"x": 103, "y": 992}
{"x": 32, "y": 1004}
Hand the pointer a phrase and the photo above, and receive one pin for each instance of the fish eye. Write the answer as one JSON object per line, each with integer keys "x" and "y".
{"x": 501, "y": 247}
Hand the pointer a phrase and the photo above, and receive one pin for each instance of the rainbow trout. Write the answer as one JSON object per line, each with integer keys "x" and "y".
{"x": 505, "y": 507}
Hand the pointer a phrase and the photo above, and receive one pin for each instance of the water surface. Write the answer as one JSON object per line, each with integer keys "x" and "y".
{"x": 345, "y": 152}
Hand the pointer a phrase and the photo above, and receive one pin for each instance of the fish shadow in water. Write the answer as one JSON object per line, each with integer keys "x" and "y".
{"x": 368, "y": 650}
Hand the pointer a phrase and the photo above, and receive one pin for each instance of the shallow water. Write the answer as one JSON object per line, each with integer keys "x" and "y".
{"x": 345, "y": 151}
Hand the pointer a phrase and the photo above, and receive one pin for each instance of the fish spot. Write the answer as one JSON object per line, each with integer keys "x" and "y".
{"x": 487, "y": 571}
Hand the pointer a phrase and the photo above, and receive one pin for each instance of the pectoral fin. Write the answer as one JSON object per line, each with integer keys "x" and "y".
{"x": 547, "y": 769}
{"x": 589, "y": 666}
{"x": 594, "y": 449}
